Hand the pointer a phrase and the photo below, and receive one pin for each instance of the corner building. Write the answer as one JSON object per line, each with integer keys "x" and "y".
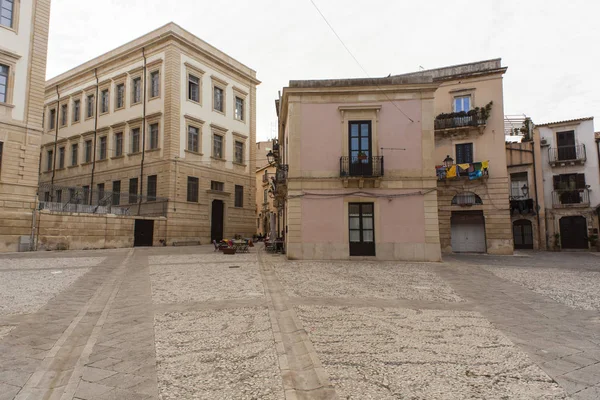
{"x": 23, "y": 50}
{"x": 164, "y": 116}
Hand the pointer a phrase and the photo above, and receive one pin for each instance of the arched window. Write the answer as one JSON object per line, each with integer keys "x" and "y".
{"x": 466, "y": 199}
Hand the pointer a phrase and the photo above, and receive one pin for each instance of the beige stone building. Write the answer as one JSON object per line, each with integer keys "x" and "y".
{"x": 473, "y": 195}
{"x": 23, "y": 48}
{"x": 526, "y": 185}
{"x": 266, "y": 212}
{"x": 165, "y": 119}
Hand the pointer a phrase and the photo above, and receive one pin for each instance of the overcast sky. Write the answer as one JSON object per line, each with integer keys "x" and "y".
{"x": 552, "y": 49}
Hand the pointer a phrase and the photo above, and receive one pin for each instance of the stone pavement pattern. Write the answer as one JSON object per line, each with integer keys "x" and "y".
{"x": 179, "y": 323}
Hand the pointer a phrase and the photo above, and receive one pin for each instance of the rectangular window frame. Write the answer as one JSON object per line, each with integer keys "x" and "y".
{"x": 242, "y": 95}
{"x": 462, "y": 99}
{"x": 241, "y": 159}
{"x": 222, "y": 149}
{"x": 136, "y": 91}
{"x": 217, "y": 186}
{"x": 132, "y": 140}
{"x": 64, "y": 115}
{"x": 14, "y": 17}
{"x": 458, "y": 157}
{"x": 239, "y": 196}
{"x": 193, "y": 186}
{"x": 61, "y": 157}
{"x": 222, "y": 85}
{"x": 120, "y": 95}
{"x": 88, "y": 151}
{"x": 118, "y": 136}
{"x": 104, "y": 101}
{"x": 90, "y": 108}
{"x": 9, "y": 62}
{"x": 74, "y": 154}
{"x": 76, "y": 111}
{"x": 151, "y": 188}
{"x": 133, "y": 190}
{"x": 116, "y": 190}
{"x": 154, "y": 91}
{"x": 193, "y": 71}
{"x": 153, "y": 135}
{"x": 52, "y": 118}
{"x": 49, "y": 160}
{"x": 102, "y": 148}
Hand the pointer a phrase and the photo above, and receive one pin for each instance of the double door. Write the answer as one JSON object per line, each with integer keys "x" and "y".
{"x": 361, "y": 155}
{"x": 361, "y": 229}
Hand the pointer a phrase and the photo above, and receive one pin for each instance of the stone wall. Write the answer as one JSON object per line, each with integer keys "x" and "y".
{"x": 70, "y": 231}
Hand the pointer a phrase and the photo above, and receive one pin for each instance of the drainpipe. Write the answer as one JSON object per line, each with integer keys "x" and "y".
{"x": 143, "y": 134}
{"x": 55, "y": 144}
{"x": 537, "y": 201}
{"x": 95, "y": 138}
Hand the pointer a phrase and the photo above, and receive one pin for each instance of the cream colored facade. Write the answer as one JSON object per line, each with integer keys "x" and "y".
{"x": 23, "y": 49}
{"x": 265, "y": 175}
{"x": 326, "y": 184}
{"x": 482, "y": 222}
{"x": 178, "y": 122}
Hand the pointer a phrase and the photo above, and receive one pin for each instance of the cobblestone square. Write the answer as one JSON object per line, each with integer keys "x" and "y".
{"x": 189, "y": 323}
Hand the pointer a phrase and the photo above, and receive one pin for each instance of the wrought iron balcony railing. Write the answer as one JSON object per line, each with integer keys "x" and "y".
{"x": 571, "y": 198}
{"x": 367, "y": 167}
{"x": 459, "y": 122}
{"x": 562, "y": 154}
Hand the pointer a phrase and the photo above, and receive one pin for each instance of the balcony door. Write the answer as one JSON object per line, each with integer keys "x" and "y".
{"x": 361, "y": 229}
{"x": 565, "y": 141}
{"x": 361, "y": 155}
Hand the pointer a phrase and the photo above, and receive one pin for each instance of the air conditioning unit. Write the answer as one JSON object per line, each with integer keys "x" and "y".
{"x": 544, "y": 142}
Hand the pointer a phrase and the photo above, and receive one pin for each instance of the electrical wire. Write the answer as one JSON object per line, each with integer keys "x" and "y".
{"x": 357, "y": 62}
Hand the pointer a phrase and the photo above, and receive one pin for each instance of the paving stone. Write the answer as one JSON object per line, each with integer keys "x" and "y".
{"x": 96, "y": 374}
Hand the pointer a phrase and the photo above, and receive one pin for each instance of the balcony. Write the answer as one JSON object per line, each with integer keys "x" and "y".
{"x": 361, "y": 167}
{"x": 571, "y": 198}
{"x": 462, "y": 122}
{"x": 567, "y": 155}
{"x": 458, "y": 122}
{"x": 467, "y": 171}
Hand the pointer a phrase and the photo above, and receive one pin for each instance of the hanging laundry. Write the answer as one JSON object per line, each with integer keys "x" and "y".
{"x": 475, "y": 175}
{"x": 451, "y": 172}
{"x": 485, "y": 164}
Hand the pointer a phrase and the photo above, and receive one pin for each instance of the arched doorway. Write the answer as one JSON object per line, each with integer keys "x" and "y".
{"x": 523, "y": 234}
{"x": 573, "y": 232}
{"x": 216, "y": 222}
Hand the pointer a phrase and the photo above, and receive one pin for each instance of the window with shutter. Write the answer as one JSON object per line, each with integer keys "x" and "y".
{"x": 464, "y": 153}
{"x": 580, "y": 181}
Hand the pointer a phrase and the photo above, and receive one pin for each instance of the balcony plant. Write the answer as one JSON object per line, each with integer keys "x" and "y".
{"x": 362, "y": 156}
{"x": 556, "y": 244}
{"x": 593, "y": 239}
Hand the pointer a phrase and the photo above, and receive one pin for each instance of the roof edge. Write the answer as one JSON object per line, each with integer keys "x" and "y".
{"x": 566, "y": 121}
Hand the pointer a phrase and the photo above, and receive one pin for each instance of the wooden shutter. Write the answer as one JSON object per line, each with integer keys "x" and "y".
{"x": 556, "y": 181}
{"x": 580, "y": 181}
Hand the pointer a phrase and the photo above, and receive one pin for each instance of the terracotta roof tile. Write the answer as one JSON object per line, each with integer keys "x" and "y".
{"x": 566, "y": 121}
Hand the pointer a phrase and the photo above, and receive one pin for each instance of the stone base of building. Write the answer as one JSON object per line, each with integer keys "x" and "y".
{"x": 13, "y": 225}
{"x": 419, "y": 252}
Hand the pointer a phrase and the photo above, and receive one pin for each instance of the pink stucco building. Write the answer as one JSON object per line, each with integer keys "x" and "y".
{"x": 358, "y": 180}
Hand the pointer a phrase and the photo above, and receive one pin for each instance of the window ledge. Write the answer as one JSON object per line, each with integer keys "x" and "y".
{"x": 74, "y": 122}
{"x": 88, "y": 118}
{"x": 104, "y": 113}
{"x": 86, "y": 163}
{"x": 220, "y": 112}
{"x": 154, "y": 98}
{"x": 239, "y": 120}
{"x": 219, "y": 192}
{"x": 134, "y": 154}
{"x": 119, "y": 109}
{"x": 193, "y": 152}
{"x": 101, "y": 160}
{"x": 7, "y": 105}
{"x": 153, "y": 150}
{"x": 240, "y": 164}
{"x": 73, "y": 166}
{"x": 218, "y": 158}
{"x": 194, "y": 101}
{"x": 117, "y": 157}
{"x": 60, "y": 169}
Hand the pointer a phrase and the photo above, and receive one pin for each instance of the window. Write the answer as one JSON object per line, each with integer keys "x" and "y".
{"x": 194, "y": 88}
{"x": 154, "y": 84}
{"x": 46, "y": 196}
{"x": 49, "y": 160}
{"x": 133, "y": 190}
{"x": 59, "y": 196}
{"x": 89, "y": 106}
{"x": 3, "y": 82}
{"x": 154, "y": 136}
{"x": 61, "y": 157}
{"x": 137, "y": 90}
{"x": 217, "y": 186}
{"x": 361, "y": 229}
{"x": 52, "y": 119}
{"x": 569, "y": 181}
{"x": 118, "y": 144}
{"x": 7, "y": 12}
{"x": 239, "y": 196}
{"x": 464, "y": 153}
{"x": 265, "y": 196}
{"x": 135, "y": 140}
{"x": 86, "y": 194}
{"x": 239, "y": 108}
{"x": 120, "y": 95}
{"x": 116, "y": 196}
{"x": 517, "y": 181}
{"x": 103, "y": 146}
{"x": 88, "y": 151}
{"x": 192, "y": 189}
{"x": 73, "y": 196}
{"x": 217, "y": 146}
{"x": 193, "y": 135}
{"x": 239, "y": 152}
{"x": 63, "y": 114}
{"x": 152, "y": 179}
{"x": 74, "y": 154}
{"x": 100, "y": 193}
{"x": 462, "y": 103}
{"x": 218, "y": 97}
{"x": 76, "y": 110}
{"x": 104, "y": 102}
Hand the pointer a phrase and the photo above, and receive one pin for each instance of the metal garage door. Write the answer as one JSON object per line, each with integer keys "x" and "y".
{"x": 467, "y": 230}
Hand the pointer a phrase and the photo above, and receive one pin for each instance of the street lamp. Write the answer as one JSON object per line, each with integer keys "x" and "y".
{"x": 448, "y": 161}
{"x": 270, "y": 157}
{"x": 525, "y": 190}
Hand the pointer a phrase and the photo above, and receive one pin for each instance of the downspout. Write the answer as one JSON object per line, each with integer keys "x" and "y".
{"x": 95, "y": 138}
{"x": 143, "y": 134}
{"x": 537, "y": 201}
{"x": 55, "y": 144}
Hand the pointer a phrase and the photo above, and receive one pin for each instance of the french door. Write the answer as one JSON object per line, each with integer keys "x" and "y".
{"x": 565, "y": 141}
{"x": 361, "y": 157}
{"x": 361, "y": 229}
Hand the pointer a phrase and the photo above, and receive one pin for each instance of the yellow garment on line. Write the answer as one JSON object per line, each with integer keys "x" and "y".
{"x": 485, "y": 164}
{"x": 451, "y": 172}
{"x": 464, "y": 166}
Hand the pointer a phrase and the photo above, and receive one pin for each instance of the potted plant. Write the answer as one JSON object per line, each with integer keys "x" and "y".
{"x": 362, "y": 156}
{"x": 593, "y": 239}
